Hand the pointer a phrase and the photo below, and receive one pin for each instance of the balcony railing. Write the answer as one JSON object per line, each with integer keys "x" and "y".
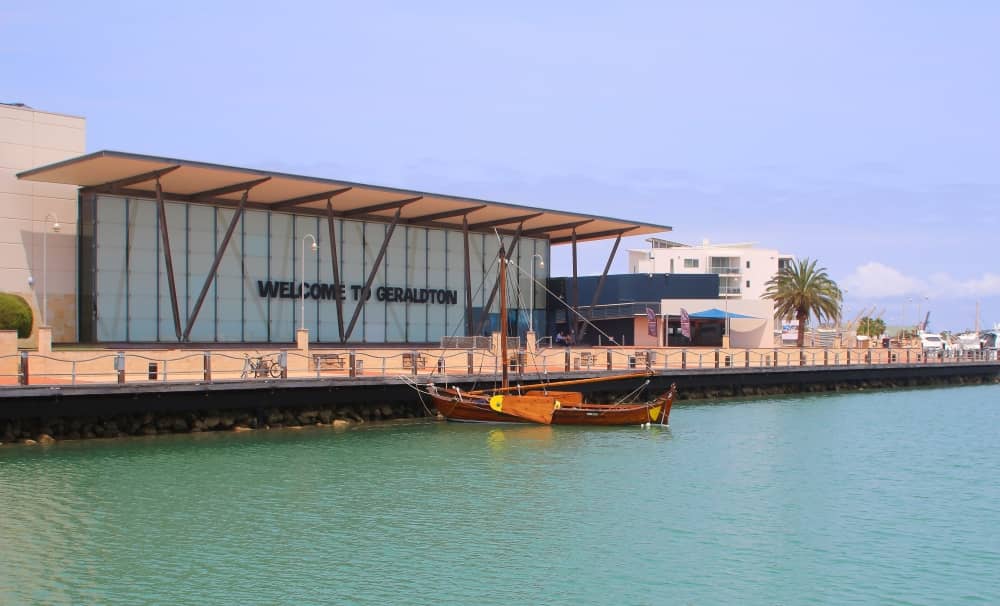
{"x": 724, "y": 269}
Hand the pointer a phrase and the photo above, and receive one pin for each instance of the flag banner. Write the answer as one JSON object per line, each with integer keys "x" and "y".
{"x": 651, "y": 318}
{"x": 685, "y": 323}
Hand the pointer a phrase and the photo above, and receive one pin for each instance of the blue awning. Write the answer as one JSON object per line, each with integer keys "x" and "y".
{"x": 718, "y": 314}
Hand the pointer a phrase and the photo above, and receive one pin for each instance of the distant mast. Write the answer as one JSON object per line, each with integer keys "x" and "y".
{"x": 503, "y": 315}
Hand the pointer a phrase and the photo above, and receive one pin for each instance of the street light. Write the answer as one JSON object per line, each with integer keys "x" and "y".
{"x": 531, "y": 312}
{"x": 45, "y": 261}
{"x": 302, "y": 279}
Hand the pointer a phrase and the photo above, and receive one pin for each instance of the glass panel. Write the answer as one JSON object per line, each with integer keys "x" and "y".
{"x": 416, "y": 278}
{"x": 373, "y": 315}
{"x": 284, "y": 306}
{"x": 328, "y": 332}
{"x": 229, "y": 284}
{"x": 201, "y": 253}
{"x": 111, "y": 276}
{"x": 177, "y": 228}
{"x": 352, "y": 256}
{"x": 256, "y": 277}
{"x": 455, "y": 281}
{"x": 435, "y": 314}
{"x": 142, "y": 264}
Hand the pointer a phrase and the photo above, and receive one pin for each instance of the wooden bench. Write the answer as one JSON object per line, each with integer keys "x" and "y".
{"x": 328, "y": 361}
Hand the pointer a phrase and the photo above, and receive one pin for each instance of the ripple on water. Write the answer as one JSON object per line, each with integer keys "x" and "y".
{"x": 872, "y": 498}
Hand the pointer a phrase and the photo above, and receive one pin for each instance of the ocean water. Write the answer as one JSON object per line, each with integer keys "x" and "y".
{"x": 863, "y": 498}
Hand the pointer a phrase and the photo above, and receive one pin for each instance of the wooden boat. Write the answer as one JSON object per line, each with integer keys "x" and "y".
{"x": 540, "y": 404}
{"x": 547, "y": 407}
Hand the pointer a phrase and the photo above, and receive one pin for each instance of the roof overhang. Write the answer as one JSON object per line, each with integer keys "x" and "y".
{"x": 136, "y": 175}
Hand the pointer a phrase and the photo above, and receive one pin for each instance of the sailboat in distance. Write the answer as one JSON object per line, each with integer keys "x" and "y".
{"x": 539, "y": 403}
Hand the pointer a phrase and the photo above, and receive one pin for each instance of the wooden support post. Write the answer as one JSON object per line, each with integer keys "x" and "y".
{"x": 746, "y": 363}
{"x": 611, "y": 361}
{"x": 716, "y": 358}
{"x": 684, "y": 358}
{"x": 352, "y": 368}
{"x": 470, "y": 361}
{"x": 207, "y": 366}
{"x": 567, "y": 360}
{"x": 775, "y": 361}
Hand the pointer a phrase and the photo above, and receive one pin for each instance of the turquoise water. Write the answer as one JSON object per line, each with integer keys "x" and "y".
{"x": 871, "y": 498}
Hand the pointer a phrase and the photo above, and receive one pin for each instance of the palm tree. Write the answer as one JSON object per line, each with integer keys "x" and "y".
{"x": 872, "y": 327}
{"x": 800, "y": 290}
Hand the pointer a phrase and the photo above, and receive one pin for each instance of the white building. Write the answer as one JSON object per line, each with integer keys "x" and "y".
{"x": 38, "y": 221}
{"x": 743, "y": 269}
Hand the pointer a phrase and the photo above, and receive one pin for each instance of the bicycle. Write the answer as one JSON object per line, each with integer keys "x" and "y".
{"x": 260, "y": 366}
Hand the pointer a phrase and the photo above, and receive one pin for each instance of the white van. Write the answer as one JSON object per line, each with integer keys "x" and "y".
{"x": 931, "y": 343}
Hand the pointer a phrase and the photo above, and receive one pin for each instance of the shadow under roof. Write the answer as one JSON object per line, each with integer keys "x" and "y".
{"x": 121, "y": 173}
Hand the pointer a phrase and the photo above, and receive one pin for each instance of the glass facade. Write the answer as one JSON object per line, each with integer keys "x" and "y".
{"x": 417, "y": 295}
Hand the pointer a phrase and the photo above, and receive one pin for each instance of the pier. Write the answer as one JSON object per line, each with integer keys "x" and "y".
{"x": 103, "y": 393}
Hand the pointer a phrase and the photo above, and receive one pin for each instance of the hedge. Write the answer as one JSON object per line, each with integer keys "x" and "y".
{"x": 15, "y": 314}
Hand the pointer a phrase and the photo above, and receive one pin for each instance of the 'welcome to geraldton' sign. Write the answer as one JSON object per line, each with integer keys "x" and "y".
{"x": 274, "y": 289}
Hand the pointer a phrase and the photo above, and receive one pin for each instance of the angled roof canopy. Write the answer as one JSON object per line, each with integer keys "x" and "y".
{"x": 135, "y": 175}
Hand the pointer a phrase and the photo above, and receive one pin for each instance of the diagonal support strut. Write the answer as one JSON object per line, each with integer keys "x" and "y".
{"x": 371, "y": 276}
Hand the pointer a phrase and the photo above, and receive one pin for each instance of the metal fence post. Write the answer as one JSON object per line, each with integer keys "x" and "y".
{"x": 120, "y": 366}
{"x": 352, "y": 370}
{"x": 611, "y": 361}
{"x": 413, "y": 362}
{"x": 716, "y": 358}
{"x": 746, "y": 362}
{"x": 283, "y": 361}
{"x": 684, "y": 359}
{"x": 649, "y": 359}
{"x": 567, "y": 360}
{"x": 470, "y": 361}
{"x": 775, "y": 358}
{"x": 206, "y": 366}
{"x": 22, "y": 373}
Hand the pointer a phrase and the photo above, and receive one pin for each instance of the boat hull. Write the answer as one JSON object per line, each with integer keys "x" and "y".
{"x": 476, "y": 409}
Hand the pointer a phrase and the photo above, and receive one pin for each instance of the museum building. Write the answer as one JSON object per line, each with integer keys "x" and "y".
{"x": 170, "y": 251}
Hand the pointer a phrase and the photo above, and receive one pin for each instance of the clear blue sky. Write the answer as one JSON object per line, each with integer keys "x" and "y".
{"x": 863, "y": 134}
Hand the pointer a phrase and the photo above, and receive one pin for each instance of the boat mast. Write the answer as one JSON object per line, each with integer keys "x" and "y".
{"x": 503, "y": 315}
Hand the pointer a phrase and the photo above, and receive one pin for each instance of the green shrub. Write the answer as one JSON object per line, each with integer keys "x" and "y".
{"x": 15, "y": 314}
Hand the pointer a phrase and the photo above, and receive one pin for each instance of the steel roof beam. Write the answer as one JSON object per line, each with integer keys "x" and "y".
{"x": 398, "y": 204}
{"x": 596, "y": 234}
{"x": 445, "y": 214}
{"x": 126, "y": 181}
{"x": 541, "y": 230}
{"x": 507, "y": 221}
{"x": 326, "y": 195}
{"x": 228, "y": 189}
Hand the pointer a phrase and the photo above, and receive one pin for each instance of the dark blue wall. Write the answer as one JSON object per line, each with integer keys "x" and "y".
{"x": 627, "y": 288}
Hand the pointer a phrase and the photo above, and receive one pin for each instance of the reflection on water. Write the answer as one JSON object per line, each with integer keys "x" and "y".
{"x": 864, "y": 498}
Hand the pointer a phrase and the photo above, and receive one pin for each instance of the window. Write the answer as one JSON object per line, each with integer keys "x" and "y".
{"x": 690, "y": 263}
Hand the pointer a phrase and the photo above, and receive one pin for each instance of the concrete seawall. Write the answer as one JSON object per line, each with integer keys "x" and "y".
{"x": 110, "y": 410}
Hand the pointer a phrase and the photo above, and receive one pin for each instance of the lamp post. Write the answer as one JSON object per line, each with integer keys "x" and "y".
{"x": 45, "y": 270}
{"x": 302, "y": 279}
{"x": 531, "y": 312}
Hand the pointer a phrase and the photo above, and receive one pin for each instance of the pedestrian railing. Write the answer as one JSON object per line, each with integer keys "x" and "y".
{"x": 130, "y": 367}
